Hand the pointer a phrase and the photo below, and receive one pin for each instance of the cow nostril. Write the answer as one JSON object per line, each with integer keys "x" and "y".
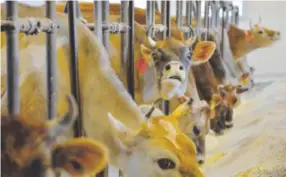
{"x": 168, "y": 67}
{"x": 181, "y": 67}
{"x": 278, "y": 33}
{"x": 201, "y": 162}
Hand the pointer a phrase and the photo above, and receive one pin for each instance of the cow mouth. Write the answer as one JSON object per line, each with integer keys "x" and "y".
{"x": 176, "y": 78}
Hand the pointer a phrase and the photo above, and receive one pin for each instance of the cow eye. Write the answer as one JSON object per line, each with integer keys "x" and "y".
{"x": 166, "y": 164}
{"x": 260, "y": 31}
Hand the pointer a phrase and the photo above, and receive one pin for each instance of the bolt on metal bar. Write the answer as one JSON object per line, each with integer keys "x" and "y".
{"x": 179, "y": 13}
{"x": 130, "y": 62}
{"x": 167, "y": 24}
{"x": 97, "y": 5}
{"x": 74, "y": 64}
{"x": 105, "y": 20}
{"x": 51, "y": 63}
{"x": 124, "y": 36}
{"x": 12, "y": 61}
{"x": 198, "y": 18}
{"x": 189, "y": 9}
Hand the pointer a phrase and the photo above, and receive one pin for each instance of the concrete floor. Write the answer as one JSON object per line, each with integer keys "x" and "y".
{"x": 256, "y": 145}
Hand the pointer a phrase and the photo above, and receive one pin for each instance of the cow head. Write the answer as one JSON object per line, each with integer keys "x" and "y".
{"x": 158, "y": 149}
{"x": 219, "y": 107}
{"x": 169, "y": 62}
{"x": 196, "y": 125}
{"x": 27, "y": 147}
{"x": 261, "y": 36}
{"x": 230, "y": 93}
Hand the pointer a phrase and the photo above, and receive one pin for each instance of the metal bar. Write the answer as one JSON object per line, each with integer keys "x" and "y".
{"x": 51, "y": 64}
{"x": 167, "y": 24}
{"x": 105, "y": 20}
{"x": 163, "y": 18}
{"x": 130, "y": 62}
{"x": 97, "y": 5}
{"x": 148, "y": 16}
{"x": 189, "y": 8}
{"x": 206, "y": 20}
{"x": 236, "y": 15}
{"x": 198, "y": 18}
{"x": 113, "y": 28}
{"x": 12, "y": 61}
{"x": 124, "y": 36}
{"x": 179, "y": 13}
{"x": 77, "y": 8}
{"x": 153, "y": 12}
{"x": 74, "y": 64}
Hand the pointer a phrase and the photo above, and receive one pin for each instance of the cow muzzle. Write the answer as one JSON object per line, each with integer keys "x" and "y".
{"x": 174, "y": 71}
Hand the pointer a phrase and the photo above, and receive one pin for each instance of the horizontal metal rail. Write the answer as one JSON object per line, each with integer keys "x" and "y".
{"x": 113, "y": 28}
{"x": 30, "y": 26}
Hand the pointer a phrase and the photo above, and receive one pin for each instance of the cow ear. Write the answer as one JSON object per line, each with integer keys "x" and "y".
{"x": 79, "y": 157}
{"x": 203, "y": 51}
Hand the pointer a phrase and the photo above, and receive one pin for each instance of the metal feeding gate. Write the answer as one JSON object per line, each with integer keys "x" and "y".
{"x": 102, "y": 28}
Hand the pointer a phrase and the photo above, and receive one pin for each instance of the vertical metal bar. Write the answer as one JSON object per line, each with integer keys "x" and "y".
{"x": 167, "y": 20}
{"x": 77, "y": 14}
{"x": 12, "y": 61}
{"x": 236, "y": 15}
{"x": 206, "y": 20}
{"x": 198, "y": 18}
{"x": 124, "y": 36}
{"x": 163, "y": 17}
{"x": 105, "y": 20}
{"x": 148, "y": 15}
{"x": 189, "y": 8}
{"x": 130, "y": 63}
{"x": 179, "y": 13}
{"x": 74, "y": 64}
{"x": 51, "y": 64}
{"x": 153, "y": 12}
{"x": 97, "y": 5}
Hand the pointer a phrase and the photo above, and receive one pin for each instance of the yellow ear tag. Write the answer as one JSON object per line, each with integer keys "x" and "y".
{"x": 244, "y": 79}
{"x": 203, "y": 51}
{"x": 212, "y": 108}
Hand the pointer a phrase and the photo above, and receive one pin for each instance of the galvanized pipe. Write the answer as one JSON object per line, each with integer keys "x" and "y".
{"x": 97, "y": 6}
{"x": 179, "y": 13}
{"x": 198, "y": 18}
{"x": 124, "y": 36}
{"x": 51, "y": 63}
{"x": 105, "y": 20}
{"x": 77, "y": 8}
{"x": 163, "y": 18}
{"x": 74, "y": 64}
{"x": 167, "y": 24}
{"x": 236, "y": 15}
{"x": 189, "y": 8}
{"x": 12, "y": 61}
{"x": 206, "y": 20}
{"x": 149, "y": 17}
{"x": 130, "y": 62}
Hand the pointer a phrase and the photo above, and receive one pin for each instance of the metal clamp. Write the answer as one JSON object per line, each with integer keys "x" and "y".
{"x": 153, "y": 29}
{"x": 30, "y": 26}
{"x": 113, "y": 28}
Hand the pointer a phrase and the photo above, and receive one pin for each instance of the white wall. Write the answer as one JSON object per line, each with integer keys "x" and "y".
{"x": 269, "y": 61}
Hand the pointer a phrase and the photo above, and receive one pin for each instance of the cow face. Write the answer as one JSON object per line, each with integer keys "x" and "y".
{"x": 27, "y": 142}
{"x": 169, "y": 62}
{"x": 196, "y": 125}
{"x": 158, "y": 149}
{"x": 219, "y": 105}
{"x": 261, "y": 36}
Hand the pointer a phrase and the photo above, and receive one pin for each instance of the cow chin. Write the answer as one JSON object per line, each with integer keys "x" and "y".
{"x": 170, "y": 88}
